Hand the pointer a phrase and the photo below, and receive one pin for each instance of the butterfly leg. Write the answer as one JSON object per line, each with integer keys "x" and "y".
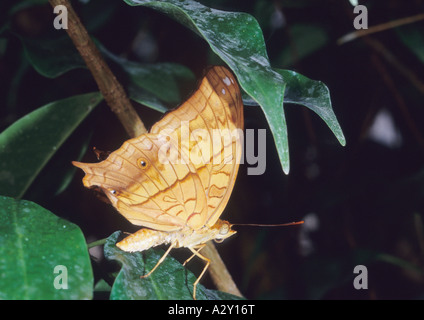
{"x": 191, "y": 257}
{"x": 160, "y": 260}
{"x": 196, "y": 252}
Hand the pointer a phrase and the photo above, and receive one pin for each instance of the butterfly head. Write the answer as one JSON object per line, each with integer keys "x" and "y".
{"x": 222, "y": 230}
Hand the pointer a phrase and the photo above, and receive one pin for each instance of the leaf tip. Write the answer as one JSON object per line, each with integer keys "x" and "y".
{"x": 342, "y": 140}
{"x": 286, "y": 167}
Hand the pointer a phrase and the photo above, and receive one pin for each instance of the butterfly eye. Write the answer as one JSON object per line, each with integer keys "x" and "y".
{"x": 142, "y": 163}
{"x": 224, "y": 229}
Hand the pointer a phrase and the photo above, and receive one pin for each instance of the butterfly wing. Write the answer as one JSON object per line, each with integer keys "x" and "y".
{"x": 211, "y": 137}
{"x": 152, "y": 189}
{"x": 141, "y": 188}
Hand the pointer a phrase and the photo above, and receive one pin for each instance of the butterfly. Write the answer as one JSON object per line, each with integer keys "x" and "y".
{"x": 176, "y": 180}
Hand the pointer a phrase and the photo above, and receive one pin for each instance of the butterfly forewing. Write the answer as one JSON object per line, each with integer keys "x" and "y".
{"x": 209, "y": 129}
{"x": 226, "y": 164}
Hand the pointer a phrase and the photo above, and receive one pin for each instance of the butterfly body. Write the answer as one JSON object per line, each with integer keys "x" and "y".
{"x": 145, "y": 238}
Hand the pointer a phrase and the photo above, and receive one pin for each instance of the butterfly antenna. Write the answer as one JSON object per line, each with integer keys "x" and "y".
{"x": 269, "y": 225}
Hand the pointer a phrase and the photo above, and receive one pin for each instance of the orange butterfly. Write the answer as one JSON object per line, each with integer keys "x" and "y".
{"x": 177, "y": 179}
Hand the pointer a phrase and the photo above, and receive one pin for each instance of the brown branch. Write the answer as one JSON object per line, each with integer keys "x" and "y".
{"x": 384, "y": 52}
{"x": 109, "y": 86}
{"x": 219, "y": 272}
{"x": 380, "y": 27}
{"x": 120, "y": 104}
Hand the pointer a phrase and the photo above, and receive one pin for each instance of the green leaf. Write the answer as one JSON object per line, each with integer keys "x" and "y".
{"x": 52, "y": 57}
{"x": 160, "y": 80}
{"x": 28, "y": 144}
{"x": 237, "y": 39}
{"x": 33, "y": 243}
{"x": 307, "y": 39}
{"x": 169, "y": 281}
{"x": 57, "y": 175}
{"x": 314, "y": 95}
{"x": 154, "y": 85}
{"x": 309, "y": 93}
{"x": 26, "y": 4}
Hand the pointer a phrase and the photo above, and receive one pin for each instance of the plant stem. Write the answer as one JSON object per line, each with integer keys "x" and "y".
{"x": 96, "y": 243}
{"x": 218, "y": 271}
{"x": 120, "y": 104}
{"x": 378, "y": 28}
{"x": 109, "y": 86}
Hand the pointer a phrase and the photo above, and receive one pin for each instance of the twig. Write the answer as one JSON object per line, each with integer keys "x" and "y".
{"x": 219, "y": 272}
{"x": 380, "y": 27}
{"x": 109, "y": 86}
{"x": 96, "y": 243}
{"x": 120, "y": 104}
{"x": 378, "y": 47}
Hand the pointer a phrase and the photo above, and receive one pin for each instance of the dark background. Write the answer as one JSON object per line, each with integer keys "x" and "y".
{"x": 362, "y": 204}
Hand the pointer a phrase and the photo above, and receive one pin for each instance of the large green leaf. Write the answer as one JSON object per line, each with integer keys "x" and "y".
{"x": 153, "y": 85}
{"x": 28, "y": 144}
{"x": 237, "y": 39}
{"x": 309, "y": 93}
{"x": 306, "y": 39}
{"x": 52, "y": 57}
{"x": 314, "y": 95}
{"x": 169, "y": 281}
{"x": 40, "y": 254}
{"x": 156, "y": 86}
{"x": 160, "y": 80}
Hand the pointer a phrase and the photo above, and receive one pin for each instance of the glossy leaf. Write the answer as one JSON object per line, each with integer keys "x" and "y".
{"x": 40, "y": 253}
{"x": 159, "y": 80}
{"x": 28, "y": 144}
{"x": 169, "y": 281}
{"x": 237, "y": 39}
{"x": 53, "y": 57}
{"x": 314, "y": 95}
{"x": 306, "y": 39}
{"x": 156, "y": 86}
{"x": 309, "y": 93}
